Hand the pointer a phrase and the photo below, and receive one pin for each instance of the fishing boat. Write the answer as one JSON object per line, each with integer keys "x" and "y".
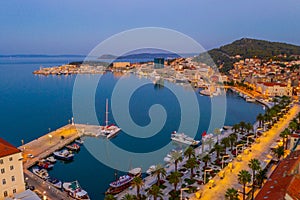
{"x": 45, "y": 165}
{"x": 64, "y": 155}
{"x": 51, "y": 159}
{"x": 182, "y": 138}
{"x": 109, "y": 131}
{"x": 75, "y": 191}
{"x": 42, "y": 173}
{"x": 55, "y": 182}
{"x": 73, "y": 147}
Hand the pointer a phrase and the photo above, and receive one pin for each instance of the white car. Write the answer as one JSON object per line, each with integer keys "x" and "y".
{"x": 30, "y": 155}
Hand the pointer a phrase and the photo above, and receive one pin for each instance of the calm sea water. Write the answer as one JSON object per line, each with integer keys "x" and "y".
{"x": 31, "y": 104}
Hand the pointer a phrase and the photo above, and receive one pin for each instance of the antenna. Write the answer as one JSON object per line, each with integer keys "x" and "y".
{"x": 106, "y": 114}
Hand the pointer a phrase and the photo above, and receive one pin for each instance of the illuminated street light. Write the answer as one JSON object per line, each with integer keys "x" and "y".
{"x": 239, "y": 145}
{"x": 182, "y": 189}
{"x": 50, "y": 137}
{"x": 207, "y": 170}
{"x": 225, "y": 156}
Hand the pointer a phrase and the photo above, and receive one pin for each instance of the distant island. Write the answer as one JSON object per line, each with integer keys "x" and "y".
{"x": 226, "y": 55}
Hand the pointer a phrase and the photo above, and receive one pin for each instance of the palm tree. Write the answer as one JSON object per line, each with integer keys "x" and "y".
{"x": 206, "y": 159}
{"x": 155, "y": 192}
{"x": 210, "y": 142}
{"x": 226, "y": 142}
{"x": 109, "y": 197}
{"x": 176, "y": 157}
{"x": 242, "y": 126}
{"x": 218, "y": 149}
{"x": 244, "y": 177}
{"x": 129, "y": 197}
{"x": 260, "y": 119}
{"x": 284, "y": 134}
{"x": 189, "y": 152}
{"x": 254, "y": 164}
{"x": 191, "y": 164}
{"x": 236, "y": 127}
{"x": 232, "y": 138}
{"x": 249, "y": 127}
{"x": 279, "y": 151}
{"x": 293, "y": 126}
{"x": 160, "y": 172}
{"x": 231, "y": 194}
{"x": 217, "y": 132}
{"x": 174, "y": 179}
{"x": 260, "y": 177}
{"x": 138, "y": 183}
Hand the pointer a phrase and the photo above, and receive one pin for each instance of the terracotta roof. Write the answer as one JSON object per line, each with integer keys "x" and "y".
{"x": 293, "y": 189}
{"x": 281, "y": 180}
{"x": 273, "y": 84}
{"x": 7, "y": 149}
{"x": 295, "y": 135}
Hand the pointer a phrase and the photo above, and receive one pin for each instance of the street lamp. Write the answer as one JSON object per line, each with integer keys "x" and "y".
{"x": 207, "y": 170}
{"x": 225, "y": 156}
{"x": 44, "y": 195}
{"x": 182, "y": 189}
{"x": 50, "y": 136}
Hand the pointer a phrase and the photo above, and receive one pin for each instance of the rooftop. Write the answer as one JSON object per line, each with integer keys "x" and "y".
{"x": 7, "y": 149}
{"x": 283, "y": 180}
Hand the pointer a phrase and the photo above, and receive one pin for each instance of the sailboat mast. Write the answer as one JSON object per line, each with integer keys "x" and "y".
{"x": 106, "y": 114}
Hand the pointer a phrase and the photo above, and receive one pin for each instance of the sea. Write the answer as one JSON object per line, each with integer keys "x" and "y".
{"x": 31, "y": 105}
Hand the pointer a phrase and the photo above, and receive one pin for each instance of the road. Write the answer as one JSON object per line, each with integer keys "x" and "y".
{"x": 258, "y": 150}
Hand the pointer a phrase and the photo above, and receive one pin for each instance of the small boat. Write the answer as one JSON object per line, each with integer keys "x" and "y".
{"x": 75, "y": 191}
{"x": 51, "y": 159}
{"x": 45, "y": 165}
{"x": 42, "y": 173}
{"x": 249, "y": 99}
{"x": 64, "y": 155}
{"x": 135, "y": 172}
{"x": 55, "y": 182}
{"x": 151, "y": 169}
{"x": 112, "y": 130}
{"x": 79, "y": 141}
{"x": 73, "y": 147}
{"x": 119, "y": 185}
{"x": 182, "y": 138}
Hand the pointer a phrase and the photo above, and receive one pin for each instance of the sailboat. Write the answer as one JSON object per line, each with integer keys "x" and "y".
{"x": 109, "y": 130}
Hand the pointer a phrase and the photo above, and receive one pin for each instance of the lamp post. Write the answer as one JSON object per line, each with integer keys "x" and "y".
{"x": 225, "y": 156}
{"x": 50, "y": 137}
{"x": 182, "y": 189}
{"x": 207, "y": 170}
{"x": 44, "y": 195}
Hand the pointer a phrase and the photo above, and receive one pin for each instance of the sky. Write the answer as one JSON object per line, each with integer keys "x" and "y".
{"x": 77, "y": 26}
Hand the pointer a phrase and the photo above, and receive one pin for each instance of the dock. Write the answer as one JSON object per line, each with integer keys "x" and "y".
{"x": 44, "y": 146}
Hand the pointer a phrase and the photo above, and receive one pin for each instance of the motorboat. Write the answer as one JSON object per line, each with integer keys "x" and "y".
{"x": 64, "y": 155}
{"x": 55, "y": 182}
{"x": 42, "y": 173}
{"x": 75, "y": 191}
{"x": 182, "y": 138}
{"x": 51, "y": 159}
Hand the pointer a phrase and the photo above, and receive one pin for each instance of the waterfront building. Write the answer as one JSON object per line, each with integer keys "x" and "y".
{"x": 11, "y": 170}
{"x": 26, "y": 195}
{"x": 274, "y": 89}
{"x": 159, "y": 63}
{"x": 284, "y": 181}
{"x": 121, "y": 65}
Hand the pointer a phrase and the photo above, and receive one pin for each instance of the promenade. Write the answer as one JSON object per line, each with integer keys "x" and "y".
{"x": 260, "y": 150}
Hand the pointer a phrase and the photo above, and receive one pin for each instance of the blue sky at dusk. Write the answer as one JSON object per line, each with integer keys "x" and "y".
{"x": 77, "y": 26}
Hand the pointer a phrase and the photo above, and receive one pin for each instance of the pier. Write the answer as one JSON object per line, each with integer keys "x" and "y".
{"x": 44, "y": 146}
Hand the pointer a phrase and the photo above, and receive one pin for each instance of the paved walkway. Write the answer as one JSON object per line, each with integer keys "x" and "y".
{"x": 259, "y": 150}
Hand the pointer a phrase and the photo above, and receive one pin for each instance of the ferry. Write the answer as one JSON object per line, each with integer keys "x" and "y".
{"x": 182, "y": 138}
{"x": 55, "y": 182}
{"x": 75, "y": 191}
{"x": 42, "y": 173}
{"x": 73, "y": 147}
{"x": 64, "y": 155}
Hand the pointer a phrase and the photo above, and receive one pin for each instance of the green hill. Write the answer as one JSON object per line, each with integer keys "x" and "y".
{"x": 224, "y": 56}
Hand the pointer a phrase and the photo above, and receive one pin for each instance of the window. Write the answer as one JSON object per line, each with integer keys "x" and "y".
{"x": 13, "y": 178}
{"x": 10, "y": 158}
{"x": 14, "y": 191}
{"x": 5, "y": 194}
{"x": 11, "y": 167}
{"x": 3, "y": 181}
{"x": 1, "y": 161}
{"x": 2, "y": 171}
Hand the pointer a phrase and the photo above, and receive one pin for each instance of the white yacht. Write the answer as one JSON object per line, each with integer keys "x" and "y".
{"x": 42, "y": 173}
{"x": 182, "y": 138}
